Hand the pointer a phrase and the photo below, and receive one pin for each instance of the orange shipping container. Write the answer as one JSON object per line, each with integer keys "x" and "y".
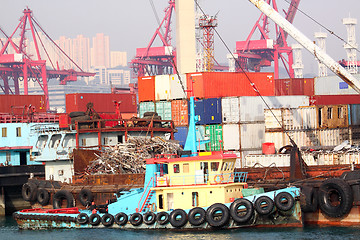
{"x": 16, "y": 103}
{"x": 146, "y": 88}
{"x": 179, "y": 112}
{"x": 227, "y": 84}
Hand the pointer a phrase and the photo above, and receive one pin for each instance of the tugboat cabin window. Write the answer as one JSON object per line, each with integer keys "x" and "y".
{"x": 18, "y": 131}
{"x": 41, "y": 141}
{"x": 4, "y": 132}
{"x": 329, "y": 113}
{"x": 214, "y": 166}
{"x": 176, "y": 168}
{"x": 195, "y": 199}
{"x": 161, "y": 201}
{"x": 186, "y": 168}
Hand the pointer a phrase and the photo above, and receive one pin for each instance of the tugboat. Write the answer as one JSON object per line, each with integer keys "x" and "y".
{"x": 188, "y": 190}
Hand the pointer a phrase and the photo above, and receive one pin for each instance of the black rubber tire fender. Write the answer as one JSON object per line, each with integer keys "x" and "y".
{"x": 94, "y": 219}
{"x": 149, "y": 218}
{"x": 29, "y": 191}
{"x": 264, "y": 205}
{"x": 241, "y": 210}
{"x": 43, "y": 196}
{"x": 162, "y": 218}
{"x": 107, "y": 220}
{"x": 85, "y": 197}
{"x": 178, "y": 218}
{"x": 61, "y": 195}
{"x": 342, "y": 190}
{"x": 197, "y": 216}
{"x": 82, "y": 218}
{"x": 136, "y": 219}
{"x": 284, "y": 201}
{"x": 213, "y": 220}
{"x": 121, "y": 219}
{"x": 76, "y": 114}
{"x": 309, "y": 199}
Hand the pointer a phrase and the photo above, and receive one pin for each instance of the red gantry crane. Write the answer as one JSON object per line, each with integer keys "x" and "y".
{"x": 157, "y": 60}
{"x": 21, "y": 66}
{"x": 255, "y": 54}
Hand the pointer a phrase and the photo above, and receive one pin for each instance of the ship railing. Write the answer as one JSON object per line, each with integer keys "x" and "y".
{"x": 43, "y": 128}
{"x": 146, "y": 195}
{"x": 201, "y": 179}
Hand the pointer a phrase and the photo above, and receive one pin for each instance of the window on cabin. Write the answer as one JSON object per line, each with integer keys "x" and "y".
{"x": 83, "y": 142}
{"x": 229, "y": 168}
{"x": 185, "y": 168}
{"x": 195, "y": 199}
{"x": 41, "y": 142}
{"x": 214, "y": 166}
{"x": 55, "y": 140}
{"x": 161, "y": 201}
{"x": 329, "y": 113}
{"x": 224, "y": 166}
{"x": 18, "y": 131}
{"x": 4, "y": 132}
{"x": 176, "y": 168}
{"x": 341, "y": 113}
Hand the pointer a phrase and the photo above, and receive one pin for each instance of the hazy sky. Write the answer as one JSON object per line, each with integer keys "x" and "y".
{"x": 131, "y": 24}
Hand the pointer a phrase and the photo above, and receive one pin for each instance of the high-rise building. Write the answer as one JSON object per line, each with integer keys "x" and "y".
{"x": 100, "y": 52}
{"x": 81, "y": 52}
{"x": 118, "y": 59}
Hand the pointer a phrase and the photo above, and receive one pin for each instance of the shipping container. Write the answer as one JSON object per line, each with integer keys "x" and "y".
{"x": 15, "y": 103}
{"x": 214, "y": 132}
{"x": 333, "y": 116}
{"x": 252, "y": 136}
{"x": 334, "y": 99}
{"x": 333, "y": 85}
{"x": 212, "y": 108}
{"x": 332, "y": 137}
{"x": 294, "y": 86}
{"x": 181, "y": 135}
{"x": 230, "y": 110}
{"x": 201, "y": 136}
{"x": 163, "y": 109}
{"x": 199, "y": 106}
{"x": 354, "y": 114}
{"x": 227, "y": 84}
{"x": 102, "y": 102}
{"x": 275, "y": 160}
{"x": 245, "y": 153}
{"x": 178, "y": 86}
{"x": 146, "y": 107}
{"x": 179, "y": 112}
{"x": 354, "y": 135}
{"x": 162, "y": 87}
{"x": 146, "y": 88}
{"x": 231, "y": 136}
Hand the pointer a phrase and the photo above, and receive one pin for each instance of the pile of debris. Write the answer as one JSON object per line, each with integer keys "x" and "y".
{"x": 130, "y": 157}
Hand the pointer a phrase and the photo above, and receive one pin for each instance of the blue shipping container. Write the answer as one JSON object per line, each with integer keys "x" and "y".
{"x": 213, "y": 111}
{"x": 199, "y": 111}
{"x": 181, "y": 135}
{"x": 182, "y": 132}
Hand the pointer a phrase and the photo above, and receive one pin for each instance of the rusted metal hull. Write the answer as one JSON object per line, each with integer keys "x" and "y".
{"x": 318, "y": 218}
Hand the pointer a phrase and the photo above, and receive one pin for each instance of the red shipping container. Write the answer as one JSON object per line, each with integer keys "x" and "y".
{"x": 179, "y": 112}
{"x": 103, "y": 102}
{"x": 334, "y": 99}
{"x": 227, "y": 84}
{"x": 16, "y": 103}
{"x": 146, "y": 88}
{"x": 294, "y": 86}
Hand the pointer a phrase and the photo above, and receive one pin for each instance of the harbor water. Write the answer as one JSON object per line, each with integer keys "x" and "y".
{"x": 9, "y": 231}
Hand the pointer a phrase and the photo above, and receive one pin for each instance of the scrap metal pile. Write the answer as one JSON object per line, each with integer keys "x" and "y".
{"x": 130, "y": 157}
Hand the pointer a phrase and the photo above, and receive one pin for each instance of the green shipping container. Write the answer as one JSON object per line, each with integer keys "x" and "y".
{"x": 146, "y": 107}
{"x": 163, "y": 108}
{"x": 215, "y": 134}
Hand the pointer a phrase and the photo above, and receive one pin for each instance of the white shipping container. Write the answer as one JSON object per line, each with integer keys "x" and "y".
{"x": 243, "y": 154}
{"x": 146, "y": 107}
{"x": 252, "y": 135}
{"x": 279, "y": 139}
{"x": 332, "y": 137}
{"x": 230, "y": 109}
{"x": 231, "y": 136}
{"x": 162, "y": 87}
{"x": 176, "y": 86}
{"x": 252, "y": 108}
{"x": 333, "y": 85}
{"x": 274, "y": 160}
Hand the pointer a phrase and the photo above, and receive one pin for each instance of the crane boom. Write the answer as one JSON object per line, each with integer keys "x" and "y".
{"x": 307, "y": 44}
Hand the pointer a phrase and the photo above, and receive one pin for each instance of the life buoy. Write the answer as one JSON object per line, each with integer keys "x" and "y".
{"x": 29, "y": 191}
{"x": 162, "y": 218}
{"x": 107, "y": 220}
{"x": 335, "y": 197}
{"x": 94, "y": 219}
{"x": 178, "y": 218}
{"x": 241, "y": 210}
{"x": 121, "y": 219}
{"x": 136, "y": 219}
{"x": 218, "y": 179}
{"x": 212, "y": 215}
{"x": 82, "y": 218}
{"x": 43, "y": 196}
{"x": 197, "y": 216}
{"x": 309, "y": 200}
{"x": 264, "y": 205}
{"x": 85, "y": 197}
{"x": 62, "y": 195}
{"x": 284, "y": 201}
{"x": 149, "y": 218}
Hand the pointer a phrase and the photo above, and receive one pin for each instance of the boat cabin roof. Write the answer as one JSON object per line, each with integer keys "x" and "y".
{"x": 206, "y": 156}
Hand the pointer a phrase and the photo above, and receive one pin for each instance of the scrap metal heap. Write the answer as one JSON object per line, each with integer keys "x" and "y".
{"x": 130, "y": 157}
